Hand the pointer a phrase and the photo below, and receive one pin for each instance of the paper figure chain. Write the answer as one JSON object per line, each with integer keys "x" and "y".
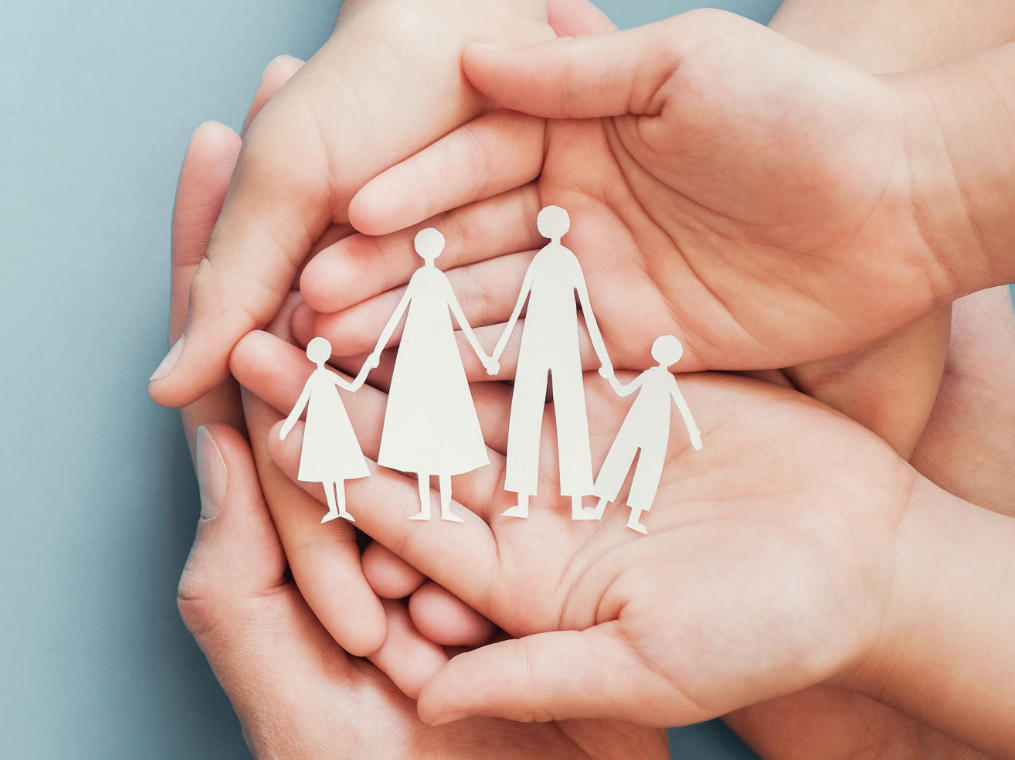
{"x": 429, "y": 391}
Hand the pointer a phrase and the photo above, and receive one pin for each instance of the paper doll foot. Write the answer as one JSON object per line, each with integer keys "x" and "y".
{"x": 637, "y": 526}
{"x": 587, "y": 513}
{"x": 347, "y": 516}
{"x": 518, "y": 510}
{"x": 329, "y": 517}
{"x": 420, "y": 516}
{"x": 451, "y": 517}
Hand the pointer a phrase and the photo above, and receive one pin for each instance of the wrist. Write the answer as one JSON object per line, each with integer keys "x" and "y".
{"x": 961, "y": 152}
{"x": 942, "y": 653}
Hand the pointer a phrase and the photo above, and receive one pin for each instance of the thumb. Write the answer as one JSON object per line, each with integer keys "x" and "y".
{"x": 553, "y": 676}
{"x": 237, "y": 559}
{"x": 598, "y": 75}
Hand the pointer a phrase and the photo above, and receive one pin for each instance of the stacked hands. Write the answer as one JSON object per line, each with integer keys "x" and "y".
{"x": 769, "y": 204}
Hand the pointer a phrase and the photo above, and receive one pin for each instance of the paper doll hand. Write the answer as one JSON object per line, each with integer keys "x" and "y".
{"x": 492, "y": 366}
{"x": 696, "y": 439}
{"x": 286, "y": 428}
{"x": 606, "y": 371}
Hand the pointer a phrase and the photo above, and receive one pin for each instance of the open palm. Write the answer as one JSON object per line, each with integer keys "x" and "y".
{"x": 725, "y": 184}
{"x": 760, "y": 575}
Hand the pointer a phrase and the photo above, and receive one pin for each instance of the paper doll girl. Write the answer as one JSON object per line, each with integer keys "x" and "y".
{"x": 331, "y": 454}
{"x": 430, "y": 425}
{"x": 646, "y": 428}
{"x": 550, "y": 352}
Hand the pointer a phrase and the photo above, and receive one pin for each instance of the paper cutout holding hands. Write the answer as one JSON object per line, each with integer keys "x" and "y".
{"x": 430, "y": 425}
{"x": 646, "y": 428}
{"x": 331, "y": 453}
{"x": 550, "y": 349}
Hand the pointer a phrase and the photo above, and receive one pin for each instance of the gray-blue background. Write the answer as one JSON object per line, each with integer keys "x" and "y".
{"x": 97, "y": 101}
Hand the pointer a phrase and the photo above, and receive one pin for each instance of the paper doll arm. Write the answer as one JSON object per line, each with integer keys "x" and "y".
{"x": 505, "y": 336}
{"x": 598, "y": 345}
{"x": 685, "y": 412}
{"x": 294, "y": 415}
{"x": 396, "y": 316}
{"x": 456, "y": 310}
{"x": 624, "y": 389}
{"x": 353, "y": 385}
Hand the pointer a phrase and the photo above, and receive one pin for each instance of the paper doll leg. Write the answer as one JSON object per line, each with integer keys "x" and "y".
{"x": 613, "y": 473}
{"x": 446, "y": 513}
{"x": 647, "y": 475}
{"x": 424, "y": 498}
{"x": 524, "y": 428}
{"x": 645, "y": 485}
{"x": 574, "y": 451}
{"x": 329, "y": 495}
{"x": 634, "y": 522}
{"x": 340, "y": 498}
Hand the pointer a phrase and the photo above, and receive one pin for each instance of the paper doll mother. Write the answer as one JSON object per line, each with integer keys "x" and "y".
{"x": 430, "y": 425}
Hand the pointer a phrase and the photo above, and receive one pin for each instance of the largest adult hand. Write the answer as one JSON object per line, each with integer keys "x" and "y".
{"x": 767, "y": 203}
{"x": 386, "y": 83}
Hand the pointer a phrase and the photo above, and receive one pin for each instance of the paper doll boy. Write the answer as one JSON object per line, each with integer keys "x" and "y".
{"x": 646, "y": 428}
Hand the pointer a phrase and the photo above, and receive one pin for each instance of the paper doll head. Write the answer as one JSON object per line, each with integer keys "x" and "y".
{"x": 429, "y": 243}
{"x": 553, "y": 223}
{"x": 667, "y": 350}
{"x": 319, "y": 351}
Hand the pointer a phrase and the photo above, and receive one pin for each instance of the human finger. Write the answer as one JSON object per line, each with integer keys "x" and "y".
{"x": 492, "y": 154}
{"x": 360, "y": 267}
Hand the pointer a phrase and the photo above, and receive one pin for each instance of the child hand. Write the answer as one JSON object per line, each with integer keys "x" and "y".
{"x": 705, "y": 231}
{"x": 315, "y": 143}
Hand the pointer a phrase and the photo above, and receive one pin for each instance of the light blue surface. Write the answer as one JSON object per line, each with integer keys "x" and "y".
{"x": 98, "y": 101}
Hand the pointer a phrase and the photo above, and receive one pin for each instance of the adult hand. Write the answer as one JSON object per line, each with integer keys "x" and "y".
{"x": 779, "y": 569}
{"x": 296, "y": 692}
{"x": 386, "y": 83}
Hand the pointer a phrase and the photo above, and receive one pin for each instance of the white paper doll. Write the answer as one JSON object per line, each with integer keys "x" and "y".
{"x": 646, "y": 428}
{"x": 331, "y": 454}
{"x": 549, "y": 350}
{"x": 430, "y": 425}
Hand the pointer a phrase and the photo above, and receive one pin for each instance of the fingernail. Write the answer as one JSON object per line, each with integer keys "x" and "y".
{"x": 169, "y": 362}
{"x": 211, "y": 474}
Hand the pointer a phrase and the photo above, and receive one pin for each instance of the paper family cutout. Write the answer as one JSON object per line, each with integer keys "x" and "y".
{"x": 430, "y": 424}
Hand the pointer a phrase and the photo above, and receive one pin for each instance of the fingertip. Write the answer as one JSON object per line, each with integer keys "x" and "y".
{"x": 368, "y": 628}
{"x": 369, "y": 207}
{"x": 389, "y": 575}
{"x": 321, "y": 280}
{"x": 447, "y": 620}
{"x": 248, "y": 352}
{"x": 302, "y": 324}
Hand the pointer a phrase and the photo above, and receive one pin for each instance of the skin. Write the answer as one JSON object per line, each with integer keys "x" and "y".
{"x": 306, "y": 154}
{"x": 645, "y": 172}
{"x": 296, "y": 691}
{"x": 891, "y": 386}
{"x": 847, "y": 585}
{"x": 431, "y": 585}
